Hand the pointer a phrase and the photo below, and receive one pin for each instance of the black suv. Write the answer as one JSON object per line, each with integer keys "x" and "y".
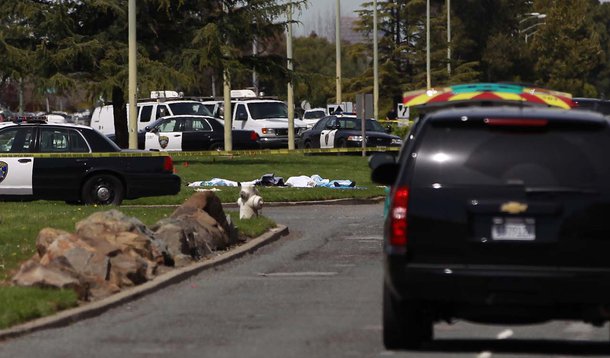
{"x": 496, "y": 215}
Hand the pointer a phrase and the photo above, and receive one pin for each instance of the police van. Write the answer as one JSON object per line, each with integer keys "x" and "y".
{"x": 160, "y": 104}
{"x": 268, "y": 117}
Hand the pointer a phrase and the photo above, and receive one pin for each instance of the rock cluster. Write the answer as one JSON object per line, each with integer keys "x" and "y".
{"x": 110, "y": 251}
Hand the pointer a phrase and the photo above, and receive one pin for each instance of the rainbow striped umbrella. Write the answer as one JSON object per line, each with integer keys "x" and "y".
{"x": 487, "y": 92}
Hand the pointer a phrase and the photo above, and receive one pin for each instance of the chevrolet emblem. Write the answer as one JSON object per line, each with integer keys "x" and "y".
{"x": 513, "y": 207}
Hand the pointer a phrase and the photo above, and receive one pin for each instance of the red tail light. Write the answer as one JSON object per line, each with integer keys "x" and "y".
{"x": 168, "y": 164}
{"x": 254, "y": 136}
{"x": 517, "y": 122}
{"x": 398, "y": 217}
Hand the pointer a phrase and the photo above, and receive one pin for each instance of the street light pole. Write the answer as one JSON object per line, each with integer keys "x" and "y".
{"x": 290, "y": 78}
{"x": 226, "y": 92}
{"x": 338, "y": 55}
{"x": 448, "y": 38}
{"x": 133, "y": 77}
{"x": 428, "y": 80}
{"x": 375, "y": 65}
{"x": 526, "y": 31}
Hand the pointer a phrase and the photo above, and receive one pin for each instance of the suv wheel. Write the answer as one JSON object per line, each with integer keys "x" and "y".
{"x": 405, "y": 326}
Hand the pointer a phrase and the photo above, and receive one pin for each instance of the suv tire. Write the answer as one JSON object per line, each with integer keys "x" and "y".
{"x": 405, "y": 326}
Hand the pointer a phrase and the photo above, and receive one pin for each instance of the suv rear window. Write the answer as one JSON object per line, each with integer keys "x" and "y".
{"x": 556, "y": 155}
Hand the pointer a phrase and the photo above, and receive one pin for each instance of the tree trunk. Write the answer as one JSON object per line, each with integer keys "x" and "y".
{"x": 120, "y": 117}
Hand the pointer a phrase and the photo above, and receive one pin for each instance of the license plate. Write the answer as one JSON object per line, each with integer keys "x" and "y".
{"x": 515, "y": 229}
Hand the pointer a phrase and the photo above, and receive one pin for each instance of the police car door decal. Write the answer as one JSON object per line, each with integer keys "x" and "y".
{"x": 16, "y": 176}
{"x": 327, "y": 138}
{"x": 152, "y": 141}
{"x": 167, "y": 138}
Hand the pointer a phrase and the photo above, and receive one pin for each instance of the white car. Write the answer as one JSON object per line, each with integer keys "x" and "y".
{"x": 311, "y": 116}
{"x": 268, "y": 117}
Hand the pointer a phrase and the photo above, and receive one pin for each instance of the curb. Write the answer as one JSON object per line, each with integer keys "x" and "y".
{"x": 344, "y": 201}
{"x": 65, "y": 317}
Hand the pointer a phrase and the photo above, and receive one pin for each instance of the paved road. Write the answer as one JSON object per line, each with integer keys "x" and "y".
{"x": 314, "y": 293}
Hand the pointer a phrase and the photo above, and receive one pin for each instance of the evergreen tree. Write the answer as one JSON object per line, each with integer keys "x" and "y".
{"x": 568, "y": 48}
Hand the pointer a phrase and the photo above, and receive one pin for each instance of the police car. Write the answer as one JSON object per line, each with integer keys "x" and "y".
{"x": 77, "y": 164}
{"x": 345, "y": 130}
{"x": 192, "y": 132}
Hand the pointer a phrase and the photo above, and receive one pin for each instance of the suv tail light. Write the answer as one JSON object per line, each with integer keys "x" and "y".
{"x": 398, "y": 217}
{"x": 168, "y": 164}
{"x": 517, "y": 122}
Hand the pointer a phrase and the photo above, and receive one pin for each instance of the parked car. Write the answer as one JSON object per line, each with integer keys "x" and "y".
{"x": 312, "y": 116}
{"x": 345, "y": 130}
{"x": 148, "y": 110}
{"x": 268, "y": 117}
{"x": 497, "y": 215}
{"x": 78, "y": 173}
{"x": 188, "y": 133}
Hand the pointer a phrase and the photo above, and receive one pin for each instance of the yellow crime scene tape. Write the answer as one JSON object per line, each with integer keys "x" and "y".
{"x": 208, "y": 153}
{"x": 405, "y": 121}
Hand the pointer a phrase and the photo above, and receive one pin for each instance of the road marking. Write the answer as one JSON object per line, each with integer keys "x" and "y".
{"x": 485, "y": 354}
{"x": 297, "y": 274}
{"x": 505, "y": 334}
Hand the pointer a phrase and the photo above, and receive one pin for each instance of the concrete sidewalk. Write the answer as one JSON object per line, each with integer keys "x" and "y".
{"x": 96, "y": 308}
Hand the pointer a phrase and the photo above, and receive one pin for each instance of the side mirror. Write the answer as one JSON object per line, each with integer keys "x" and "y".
{"x": 385, "y": 174}
{"x": 378, "y": 159}
{"x": 152, "y": 129}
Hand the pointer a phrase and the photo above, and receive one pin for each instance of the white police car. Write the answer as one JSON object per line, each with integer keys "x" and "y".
{"x": 76, "y": 163}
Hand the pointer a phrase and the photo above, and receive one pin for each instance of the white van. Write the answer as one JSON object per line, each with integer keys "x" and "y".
{"x": 267, "y": 117}
{"x": 148, "y": 111}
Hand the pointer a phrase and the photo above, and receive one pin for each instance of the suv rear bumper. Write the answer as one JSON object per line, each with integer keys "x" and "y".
{"x": 495, "y": 285}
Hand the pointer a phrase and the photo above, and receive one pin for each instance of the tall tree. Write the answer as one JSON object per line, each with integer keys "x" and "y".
{"x": 85, "y": 42}
{"x": 568, "y": 48}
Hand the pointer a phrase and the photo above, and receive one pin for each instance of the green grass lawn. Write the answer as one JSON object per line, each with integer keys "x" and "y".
{"x": 246, "y": 168}
{"x": 19, "y": 227}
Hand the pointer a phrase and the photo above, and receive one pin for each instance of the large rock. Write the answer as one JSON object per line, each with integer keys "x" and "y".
{"x": 196, "y": 228}
{"x": 34, "y": 274}
{"x": 110, "y": 251}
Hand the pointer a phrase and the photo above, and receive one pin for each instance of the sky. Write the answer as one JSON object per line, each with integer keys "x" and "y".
{"x": 320, "y": 15}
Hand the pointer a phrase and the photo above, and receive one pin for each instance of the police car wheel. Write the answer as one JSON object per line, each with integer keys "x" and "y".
{"x": 217, "y": 147}
{"x": 103, "y": 189}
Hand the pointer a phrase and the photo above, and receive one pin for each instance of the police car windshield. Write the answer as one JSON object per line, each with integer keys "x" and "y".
{"x": 356, "y": 124}
{"x": 263, "y": 110}
{"x": 190, "y": 108}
